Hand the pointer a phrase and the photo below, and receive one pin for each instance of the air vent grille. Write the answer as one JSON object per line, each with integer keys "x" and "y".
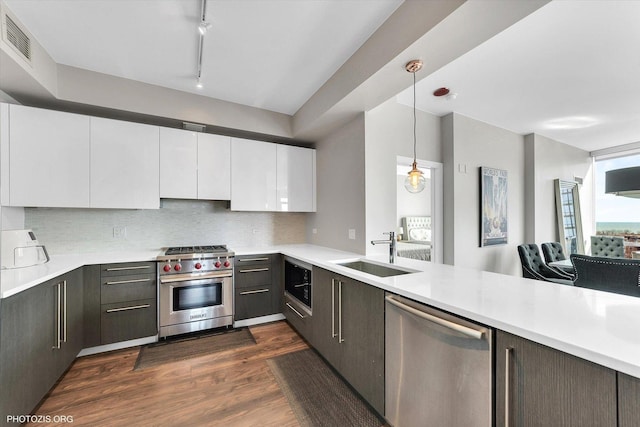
{"x": 18, "y": 38}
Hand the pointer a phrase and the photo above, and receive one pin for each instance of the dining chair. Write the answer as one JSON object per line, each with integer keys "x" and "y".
{"x": 607, "y": 246}
{"x": 553, "y": 251}
{"x": 619, "y": 275}
{"x": 534, "y": 267}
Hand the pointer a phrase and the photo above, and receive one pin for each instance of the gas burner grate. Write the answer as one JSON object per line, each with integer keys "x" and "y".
{"x": 182, "y": 250}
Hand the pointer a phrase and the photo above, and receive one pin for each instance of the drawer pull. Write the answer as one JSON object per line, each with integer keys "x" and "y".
{"x": 253, "y": 259}
{"x": 258, "y": 291}
{"x": 301, "y": 285}
{"x": 133, "y": 307}
{"x": 294, "y": 310}
{"x": 254, "y": 270}
{"x": 135, "y": 267}
{"x": 121, "y": 282}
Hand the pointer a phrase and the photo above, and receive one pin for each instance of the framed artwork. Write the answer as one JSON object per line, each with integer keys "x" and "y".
{"x": 494, "y": 223}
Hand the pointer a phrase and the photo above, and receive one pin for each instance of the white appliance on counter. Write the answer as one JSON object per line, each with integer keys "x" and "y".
{"x": 20, "y": 248}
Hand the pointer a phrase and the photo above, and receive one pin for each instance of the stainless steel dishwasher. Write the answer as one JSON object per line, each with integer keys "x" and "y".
{"x": 438, "y": 367}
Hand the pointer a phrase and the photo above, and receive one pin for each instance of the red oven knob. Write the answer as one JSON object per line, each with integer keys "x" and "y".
{"x": 198, "y": 266}
{"x": 217, "y": 264}
{"x": 167, "y": 268}
{"x": 227, "y": 263}
{"x": 177, "y": 267}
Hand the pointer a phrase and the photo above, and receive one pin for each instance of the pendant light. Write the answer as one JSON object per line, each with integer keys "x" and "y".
{"x": 414, "y": 182}
{"x": 623, "y": 182}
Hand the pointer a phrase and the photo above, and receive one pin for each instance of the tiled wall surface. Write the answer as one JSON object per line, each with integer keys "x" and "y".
{"x": 177, "y": 223}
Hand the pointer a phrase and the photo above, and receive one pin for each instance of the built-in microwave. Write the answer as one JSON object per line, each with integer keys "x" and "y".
{"x": 297, "y": 280}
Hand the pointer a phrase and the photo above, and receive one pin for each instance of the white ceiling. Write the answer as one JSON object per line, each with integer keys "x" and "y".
{"x": 270, "y": 54}
{"x": 569, "y": 71}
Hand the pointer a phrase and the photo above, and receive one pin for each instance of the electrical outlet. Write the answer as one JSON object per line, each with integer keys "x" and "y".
{"x": 352, "y": 234}
{"x": 314, "y": 230}
{"x": 119, "y": 232}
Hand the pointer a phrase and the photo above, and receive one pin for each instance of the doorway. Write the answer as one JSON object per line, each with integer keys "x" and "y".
{"x": 419, "y": 215}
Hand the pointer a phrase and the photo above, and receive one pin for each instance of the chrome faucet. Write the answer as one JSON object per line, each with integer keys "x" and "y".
{"x": 392, "y": 245}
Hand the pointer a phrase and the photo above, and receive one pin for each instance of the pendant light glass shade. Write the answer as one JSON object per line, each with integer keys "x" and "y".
{"x": 414, "y": 182}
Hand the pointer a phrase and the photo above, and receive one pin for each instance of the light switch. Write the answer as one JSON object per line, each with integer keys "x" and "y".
{"x": 352, "y": 234}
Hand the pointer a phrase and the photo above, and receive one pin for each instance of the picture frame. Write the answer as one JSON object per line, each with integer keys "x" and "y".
{"x": 494, "y": 221}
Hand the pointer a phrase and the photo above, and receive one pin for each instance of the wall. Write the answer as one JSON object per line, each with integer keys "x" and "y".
{"x": 467, "y": 145}
{"x": 340, "y": 183}
{"x": 389, "y": 133}
{"x": 177, "y": 223}
{"x": 546, "y": 161}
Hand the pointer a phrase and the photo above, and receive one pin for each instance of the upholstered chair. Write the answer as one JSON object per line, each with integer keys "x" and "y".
{"x": 619, "y": 275}
{"x": 607, "y": 246}
{"x": 553, "y": 251}
{"x": 534, "y": 267}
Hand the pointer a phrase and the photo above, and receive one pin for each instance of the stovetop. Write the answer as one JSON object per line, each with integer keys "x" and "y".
{"x": 195, "y": 252}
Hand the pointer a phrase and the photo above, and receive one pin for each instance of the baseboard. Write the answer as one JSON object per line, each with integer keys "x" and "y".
{"x": 258, "y": 320}
{"x": 117, "y": 346}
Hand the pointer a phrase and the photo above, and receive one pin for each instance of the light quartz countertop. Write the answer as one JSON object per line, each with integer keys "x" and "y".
{"x": 593, "y": 325}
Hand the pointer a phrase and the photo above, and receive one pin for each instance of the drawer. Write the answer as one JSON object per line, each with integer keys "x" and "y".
{"x": 128, "y": 269}
{"x": 297, "y": 317}
{"x": 260, "y": 259}
{"x": 255, "y": 302}
{"x": 252, "y": 275}
{"x": 127, "y": 288}
{"x": 128, "y": 320}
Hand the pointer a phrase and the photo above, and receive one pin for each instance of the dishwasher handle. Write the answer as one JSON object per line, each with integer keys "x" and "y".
{"x": 470, "y": 332}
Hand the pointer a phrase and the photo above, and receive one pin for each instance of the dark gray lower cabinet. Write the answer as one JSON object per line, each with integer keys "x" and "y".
{"x": 348, "y": 330}
{"x": 40, "y": 336}
{"x": 540, "y": 386}
{"x": 257, "y": 282}
{"x": 628, "y": 401}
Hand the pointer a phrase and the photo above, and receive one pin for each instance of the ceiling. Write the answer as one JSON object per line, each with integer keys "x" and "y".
{"x": 271, "y": 54}
{"x": 569, "y": 71}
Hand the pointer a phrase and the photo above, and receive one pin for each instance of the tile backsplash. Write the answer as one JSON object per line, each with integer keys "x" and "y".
{"x": 176, "y": 223}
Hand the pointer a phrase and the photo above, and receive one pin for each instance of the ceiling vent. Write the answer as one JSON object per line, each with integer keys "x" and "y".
{"x": 17, "y": 38}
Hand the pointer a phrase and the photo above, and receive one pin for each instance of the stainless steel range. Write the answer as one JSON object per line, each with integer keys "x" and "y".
{"x": 196, "y": 289}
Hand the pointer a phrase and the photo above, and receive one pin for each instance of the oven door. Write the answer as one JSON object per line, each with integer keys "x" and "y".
{"x": 297, "y": 282}
{"x": 189, "y": 298}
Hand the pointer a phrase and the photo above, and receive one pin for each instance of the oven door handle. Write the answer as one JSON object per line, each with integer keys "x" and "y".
{"x": 190, "y": 277}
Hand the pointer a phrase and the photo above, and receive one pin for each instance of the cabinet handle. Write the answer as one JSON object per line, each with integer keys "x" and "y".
{"x": 133, "y": 307}
{"x": 470, "y": 332}
{"x": 302, "y": 285}
{"x": 340, "y": 339}
{"x": 253, "y": 259}
{"x": 257, "y": 291}
{"x": 294, "y": 310}
{"x": 254, "y": 270}
{"x": 333, "y": 308}
{"x": 58, "y": 318}
{"x": 121, "y": 282}
{"x": 64, "y": 311}
{"x": 507, "y": 382}
{"x": 135, "y": 267}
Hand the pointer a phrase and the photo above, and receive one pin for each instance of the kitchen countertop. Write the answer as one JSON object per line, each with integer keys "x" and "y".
{"x": 593, "y": 325}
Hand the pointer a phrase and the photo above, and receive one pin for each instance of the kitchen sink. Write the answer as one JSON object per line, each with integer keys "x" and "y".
{"x": 375, "y": 269}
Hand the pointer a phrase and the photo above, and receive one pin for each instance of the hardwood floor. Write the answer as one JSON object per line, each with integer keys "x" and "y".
{"x": 230, "y": 388}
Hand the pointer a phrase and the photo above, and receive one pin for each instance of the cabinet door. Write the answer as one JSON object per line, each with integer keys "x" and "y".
{"x": 296, "y": 179}
{"x": 178, "y": 164}
{"x": 253, "y": 175}
{"x": 362, "y": 332}
{"x": 546, "y": 387}
{"x": 72, "y": 318}
{"x": 91, "y": 299}
{"x": 125, "y": 171}
{"x": 324, "y": 299}
{"x": 628, "y": 401}
{"x": 27, "y": 340}
{"x": 214, "y": 167}
{"x": 48, "y": 158}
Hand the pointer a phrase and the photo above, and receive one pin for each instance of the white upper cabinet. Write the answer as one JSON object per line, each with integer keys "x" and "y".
{"x": 45, "y": 158}
{"x": 194, "y": 165}
{"x": 178, "y": 164}
{"x": 253, "y": 175}
{"x": 124, "y": 165}
{"x": 296, "y": 182}
{"x": 272, "y": 177}
{"x": 214, "y": 167}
